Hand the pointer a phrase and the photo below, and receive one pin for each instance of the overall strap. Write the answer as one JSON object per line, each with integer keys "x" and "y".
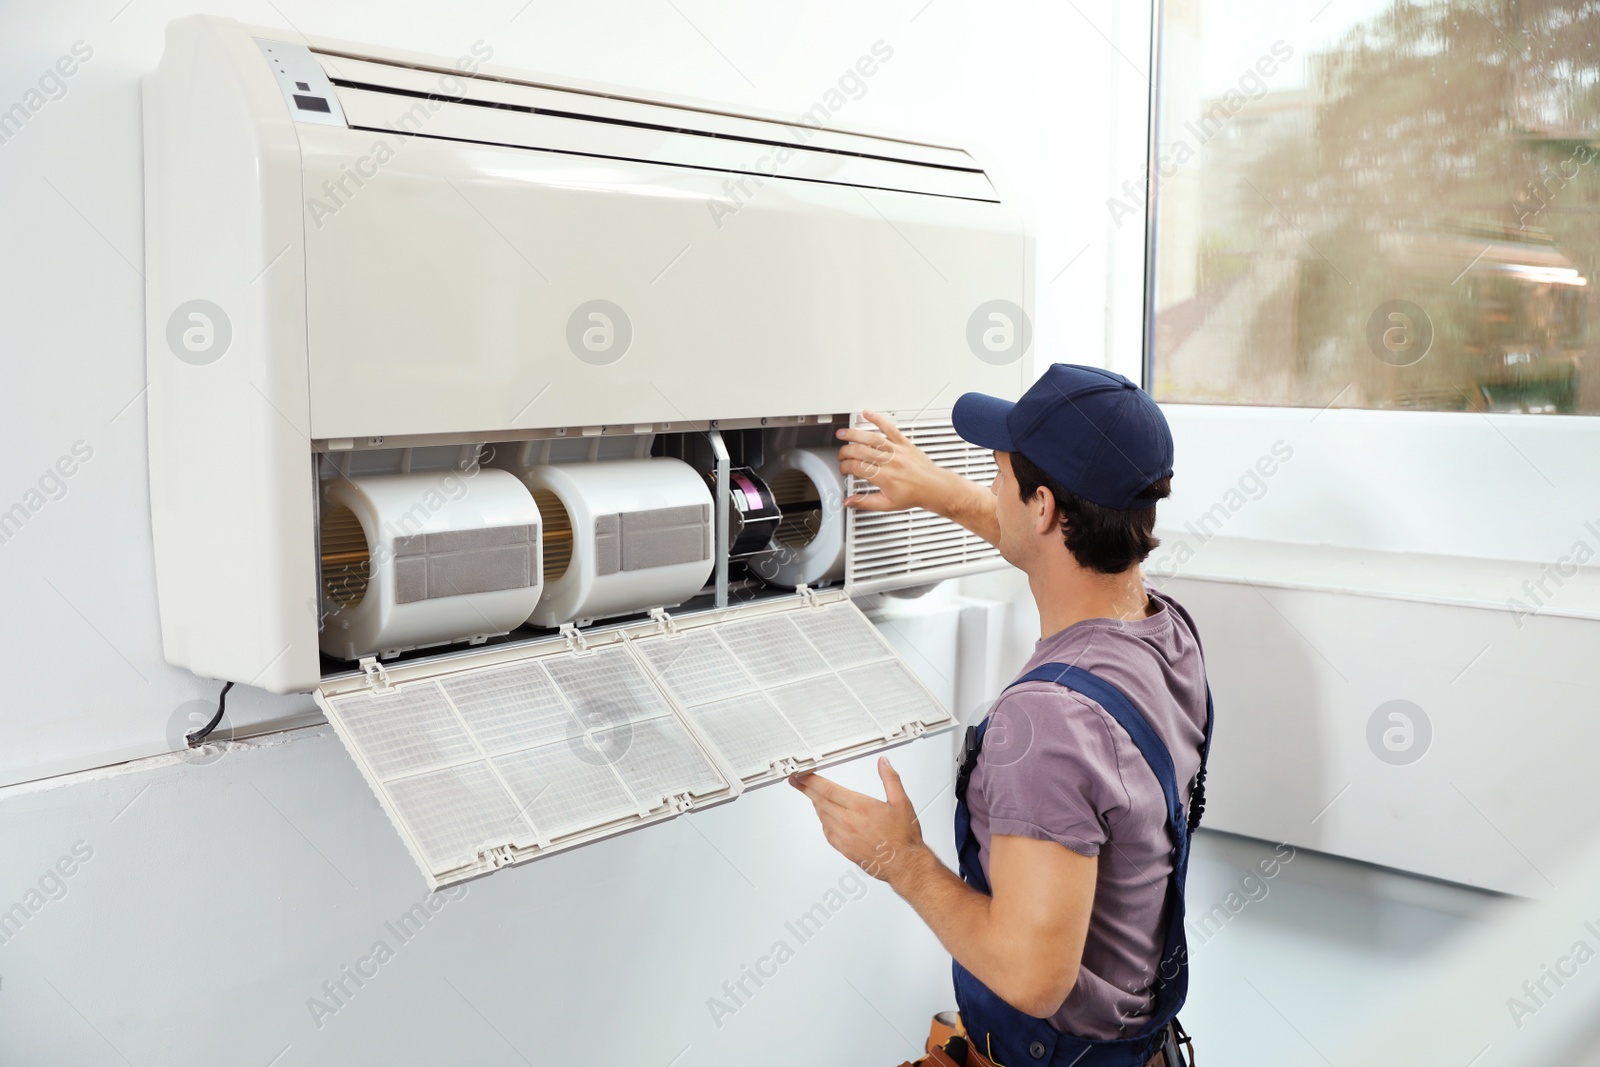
{"x": 967, "y": 860}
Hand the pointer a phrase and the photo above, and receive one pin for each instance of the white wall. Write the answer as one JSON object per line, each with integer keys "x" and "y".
{"x": 1500, "y": 794}
{"x": 1424, "y": 557}
{"x": 219, "y": 897}
{"x": 215, "y": 901}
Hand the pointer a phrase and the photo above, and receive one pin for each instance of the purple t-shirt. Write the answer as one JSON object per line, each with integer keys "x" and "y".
{"x": 1057, "y": 767}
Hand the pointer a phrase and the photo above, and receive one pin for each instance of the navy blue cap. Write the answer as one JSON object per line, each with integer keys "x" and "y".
{"x": 1093, "y": 431}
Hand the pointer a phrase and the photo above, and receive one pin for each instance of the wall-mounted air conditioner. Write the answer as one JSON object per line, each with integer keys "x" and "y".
{"x": 469, "y": 413}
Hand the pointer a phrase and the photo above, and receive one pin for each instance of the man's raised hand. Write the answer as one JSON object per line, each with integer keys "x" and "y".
{"x": 903, "y": 474}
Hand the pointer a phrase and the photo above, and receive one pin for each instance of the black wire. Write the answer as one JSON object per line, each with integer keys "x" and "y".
{"x": 199, "y": 736}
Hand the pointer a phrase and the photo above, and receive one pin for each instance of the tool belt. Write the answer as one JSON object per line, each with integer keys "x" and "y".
{"x": 948, "y": 1047}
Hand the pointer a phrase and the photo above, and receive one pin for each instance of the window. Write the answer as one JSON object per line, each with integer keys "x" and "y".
{"x": 1376, "y": 205}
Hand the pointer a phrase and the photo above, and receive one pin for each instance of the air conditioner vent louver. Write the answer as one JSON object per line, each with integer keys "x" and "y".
{"x": 895, "y": 549}
{"x": 463, "y": 107}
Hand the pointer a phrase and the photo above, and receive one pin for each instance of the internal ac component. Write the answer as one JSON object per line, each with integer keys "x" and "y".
{"x": 639, "y": 532}
{"x": 424, "y": 558}
{"x": 807, "y": 548}
{"x": 753, "y": 514}
{"x": 421, "y": 547}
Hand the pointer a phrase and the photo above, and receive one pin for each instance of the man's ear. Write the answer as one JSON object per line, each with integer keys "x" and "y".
{"x": 1045, "y": 516}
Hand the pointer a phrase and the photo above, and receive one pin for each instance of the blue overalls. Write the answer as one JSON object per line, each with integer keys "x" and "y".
{"x": 1014, "y": 1039}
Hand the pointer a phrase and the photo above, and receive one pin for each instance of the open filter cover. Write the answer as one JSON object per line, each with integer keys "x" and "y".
{"x": 500, "y": 756}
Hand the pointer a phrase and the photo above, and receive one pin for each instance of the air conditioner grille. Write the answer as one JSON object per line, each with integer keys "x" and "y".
{"x": 893, "y": 549}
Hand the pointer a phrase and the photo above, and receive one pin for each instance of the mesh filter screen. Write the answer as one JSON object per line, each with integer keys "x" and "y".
{"x": 799, "y": 684}
{"x": 826, "y": 713}
{"x": 505, "y": 754}
{"x": 697, "y": 668}
{"x": 843, "y": 637}
{"x": 750, "y": 732}
{"x": 772, "y": 650}
{"x": 891, "y": 696}
{"x": 660, "y": 759}
{"x": 454, "y": 812}
{"x": 606, "y": 687}
{"x": 409, "y": 730}
{"x": 563, "y": 794}
{"x": 560, "y": 744}
{"x": 511, "y": 708}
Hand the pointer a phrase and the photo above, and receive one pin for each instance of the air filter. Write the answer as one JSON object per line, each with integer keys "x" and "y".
{"x": 513, "y": 752}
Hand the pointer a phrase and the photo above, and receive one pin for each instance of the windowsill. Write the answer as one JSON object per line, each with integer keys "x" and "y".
{"x": 1498, "y": 585}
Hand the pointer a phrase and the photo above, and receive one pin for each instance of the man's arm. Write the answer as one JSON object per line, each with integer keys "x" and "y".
{"x": 1025, "y": 942}
{"x": 906, "y": 478}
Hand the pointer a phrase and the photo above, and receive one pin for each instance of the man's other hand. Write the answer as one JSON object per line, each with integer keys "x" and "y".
{"x": 868, "y": 832}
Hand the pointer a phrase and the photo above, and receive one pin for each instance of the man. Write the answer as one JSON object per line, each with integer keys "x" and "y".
{"x": 1066, "y": 924}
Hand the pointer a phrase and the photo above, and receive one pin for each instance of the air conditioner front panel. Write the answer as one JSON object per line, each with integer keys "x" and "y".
{"x": 441, "y": 289}
{"x": 502, "y": 756}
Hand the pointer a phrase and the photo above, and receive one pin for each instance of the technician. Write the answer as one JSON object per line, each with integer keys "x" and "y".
{"x": 1073, "y": 803}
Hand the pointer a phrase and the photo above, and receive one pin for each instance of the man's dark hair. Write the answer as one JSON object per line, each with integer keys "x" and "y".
{"x": 1103, "y": 539}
